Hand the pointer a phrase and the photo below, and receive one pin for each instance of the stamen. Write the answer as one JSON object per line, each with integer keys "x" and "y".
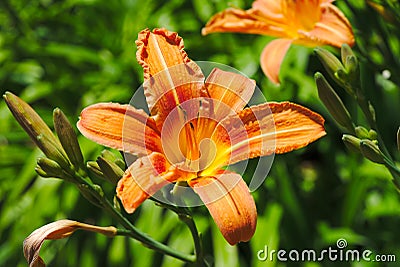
{"x": 193, "y": 152}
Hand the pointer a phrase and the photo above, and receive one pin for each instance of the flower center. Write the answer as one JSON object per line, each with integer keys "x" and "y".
{"x": 196, "y": 145}
{"x": 187, "y": 141}
{"x": 301, "y": 15}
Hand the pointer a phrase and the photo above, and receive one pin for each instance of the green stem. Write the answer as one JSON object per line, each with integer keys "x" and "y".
{"x": 364, "y": 105}
{"x": 131, "y": 230}
{"x": 185, "y": 216}
{"x": 394, "y": 171}
{"x": 157, "y": 246}
{"x": 198, "y": 248}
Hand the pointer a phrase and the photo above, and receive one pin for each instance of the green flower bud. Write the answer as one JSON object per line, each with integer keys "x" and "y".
{"x": 36, "y": 128}
{"x": 49, "y": 168}
{"x": 351, "y": 142}
{"x": 346, "y": 52}
{"x": 371, "y": 151}
{"x": 116, "y": 203}
{"x": 333, "y": 103}
{"x": 111, "y": 171}
{"x": 68, "y": 138}
{"x": 340, "y": 76}
{"x": 120, "y": 163}
{"x": 372, "y": 110}
{"x": 108, "y": 155}
{"x": 352, "y": 67}
{"x": 87, "y": 192}
{"x": 94, "y": 168}
{"x": 98, "y": 189}
{"x": 351, "y": 64}
{"x": 373, "y": 135}
{"x": 42, "y": 173}
{"x": 361, "y": 132}
{"x": 54, "y": 152}
{"x": 330, "y": 62}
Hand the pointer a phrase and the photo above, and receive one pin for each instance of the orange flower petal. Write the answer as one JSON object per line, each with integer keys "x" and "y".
{"x": 267, "y": 128}
{"x": 142, "y": 179}
{"x": 56, "y": 230}
{"x": 295, "y": 126}
{"x": 232, "y": 89}
{"x": 333, "y": 29}
{"x": 230, "y": 203}
{"x": 272, "y": 9}
{"x": 121, "y": 127}
{"x": 272, "y": 57}
{"x": 170, "y": 76}
{"x": 237, "y": 20}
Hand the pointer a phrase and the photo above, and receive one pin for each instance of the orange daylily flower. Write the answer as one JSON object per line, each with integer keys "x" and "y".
{"x": 305, "y": 22}
{"x": 196, "y": 127}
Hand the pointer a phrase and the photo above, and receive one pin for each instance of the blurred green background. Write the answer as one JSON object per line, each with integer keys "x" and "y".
{"x": 73, "y": 53}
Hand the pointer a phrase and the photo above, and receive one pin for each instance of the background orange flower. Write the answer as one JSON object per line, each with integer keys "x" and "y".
{"x": 306, "y": 22}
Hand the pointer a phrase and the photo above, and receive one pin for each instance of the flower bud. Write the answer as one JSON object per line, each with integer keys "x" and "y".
{"x": 352, "y": 67}
{"x": 68, "y": 138}
{"x": 361, "y": 132}
{"x": 94, "y": 168}
{"x": 116, "y": 203}
{"x": 373, "y": 135}
{"x": 346, "y": 52}
{"x": 333, "y": 102}
{"x": 340, "y": 76}
{"x": 98, "y": 189}
{"x": 331, "y": 63}
{"x": 88, "y": 194}
{"x": 371, "y": 151}
{"x": 107, "y": 154}
{"x": 372, "y": 110}
{"x": 351, "y": 142}
{"x": 120, "y": 163}
{"x": 111, "y": 171}
{"x": 54, "y": 152}
{"x": 36, "y": 128}
{"x": 48, "y": 168}
{"x": 398, "y": 139}
{"x": 351, "y": 64}
{"x": 42, "y": 173}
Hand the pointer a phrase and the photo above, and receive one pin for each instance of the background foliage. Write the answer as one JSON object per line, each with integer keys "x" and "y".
{"x": 73, "y": 53}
